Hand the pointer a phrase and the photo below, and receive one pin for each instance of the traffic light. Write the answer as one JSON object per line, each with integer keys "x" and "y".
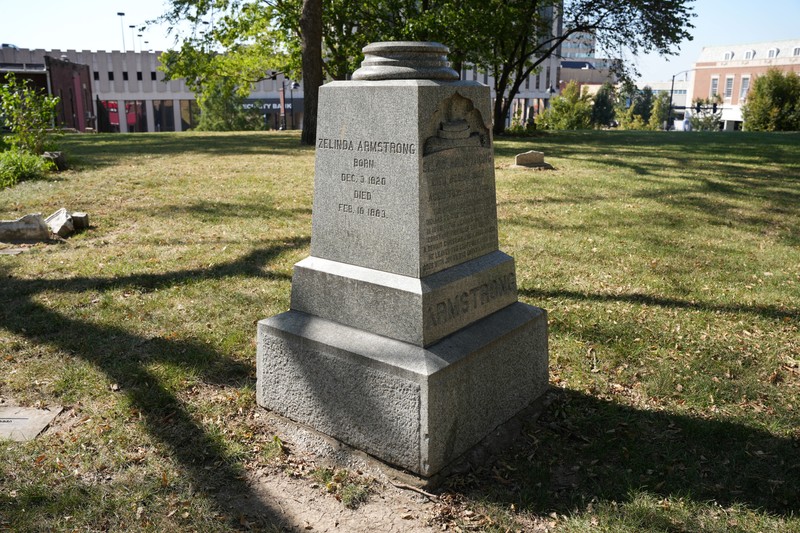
{"x": 697, "y": 107}
{"x": 713, "y": 108}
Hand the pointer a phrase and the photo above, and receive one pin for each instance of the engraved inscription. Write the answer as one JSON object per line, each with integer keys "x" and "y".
{"x": 461, "y": 222}
{"x": 472, "y": 299}
{"x": 370, "y": 188}
{"x": 363, "y": 163}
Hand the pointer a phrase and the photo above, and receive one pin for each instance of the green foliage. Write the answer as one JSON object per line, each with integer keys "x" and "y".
{"x": 17, "y": 165}
{"x": 250, "y": 38}
{"x": 603, "y": 108}
{"x": 28, "y": 113}
{"x": 571, "y": 110}
{"x": 634, "y": 107}
{"x": 222, "y": 109}
{"x": 773, "y": 103}
{"x": 706, "y": 119}
{"x": 520, "y": 127}
{"x": 659, "y": 114}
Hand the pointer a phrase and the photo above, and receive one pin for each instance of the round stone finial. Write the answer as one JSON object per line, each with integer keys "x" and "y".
{"x": 405, "y": 60}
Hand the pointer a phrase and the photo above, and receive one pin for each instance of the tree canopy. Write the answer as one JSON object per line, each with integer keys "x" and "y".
{"x": 510, "y": 39}
{"x": 773, "y": 103}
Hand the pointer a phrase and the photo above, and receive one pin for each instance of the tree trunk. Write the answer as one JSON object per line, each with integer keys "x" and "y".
{"x": 311, "y": 43}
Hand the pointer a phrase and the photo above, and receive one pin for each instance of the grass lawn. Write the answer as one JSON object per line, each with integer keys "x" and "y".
{"x": 669, "y": 264}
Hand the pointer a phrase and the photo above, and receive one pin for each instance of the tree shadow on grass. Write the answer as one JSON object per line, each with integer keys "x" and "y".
{"x": 124, "y": 358}
{"x": 584, "y": 449}
{"x": 764, "y": 311}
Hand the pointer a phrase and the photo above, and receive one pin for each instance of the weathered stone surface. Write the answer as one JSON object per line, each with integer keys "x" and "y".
{"x": 60, "y": 223}
{"x": 529, "y": 158}
{"x": 57, "y": 158}
{"x": 80, "y": 220}
{"x": 402, "y": 60}
{"x": 416, "y": 310}
{"x": 410, "y": 406}
{"x": 23, "y": 423}
{"x": 404, "y": 175}
{"x": 405, "y": 337}
{"x": 30, "y": 228}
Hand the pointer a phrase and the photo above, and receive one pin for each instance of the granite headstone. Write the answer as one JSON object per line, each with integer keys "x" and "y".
{"x": 405, "y": 337}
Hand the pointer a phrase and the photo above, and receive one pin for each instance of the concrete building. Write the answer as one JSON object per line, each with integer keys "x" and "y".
{"x": 729, "y": 71}
{"x": 131, "y": 94}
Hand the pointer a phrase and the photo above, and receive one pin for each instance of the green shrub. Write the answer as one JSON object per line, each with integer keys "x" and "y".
{"x": 572, "y": 110}
{"x": 16, "y": 166}
{"x": 29, "y": 113}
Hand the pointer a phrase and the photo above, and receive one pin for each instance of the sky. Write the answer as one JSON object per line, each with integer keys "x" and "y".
{"x": 95, "y": 25}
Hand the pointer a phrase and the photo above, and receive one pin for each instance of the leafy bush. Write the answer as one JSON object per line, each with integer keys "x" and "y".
{"x": 773, "y": 103}
{"x": 572, "y": 110}
{"x": 28, "y": 113}
{"x": 17, "y": 165}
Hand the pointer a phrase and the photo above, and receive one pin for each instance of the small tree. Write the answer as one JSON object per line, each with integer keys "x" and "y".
{"x": 222, "y": 109}
{"x": 634, "y": 106}
{"x": 603, "y": 107}
{"x": 572, "y": 110}
{"x": 773, "y": 103}
{"x": 708, "y": 116}
{"x": 659, "y": 114}
{"x": 28, "y": 112}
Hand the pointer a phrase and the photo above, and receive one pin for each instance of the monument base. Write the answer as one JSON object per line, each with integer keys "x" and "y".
{"x": 413, "y": 407}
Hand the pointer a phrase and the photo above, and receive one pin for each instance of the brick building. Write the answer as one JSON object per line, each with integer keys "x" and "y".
{"x": 729, "y": 71}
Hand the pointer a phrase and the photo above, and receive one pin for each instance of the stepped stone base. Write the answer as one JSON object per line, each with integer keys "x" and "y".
{"x": 417, "y": 310}
{"x": 413, "y": 407}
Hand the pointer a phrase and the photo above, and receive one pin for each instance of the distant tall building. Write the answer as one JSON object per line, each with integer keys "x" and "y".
{"x": 729, "y": 71}
{"x": 579, "y": 46}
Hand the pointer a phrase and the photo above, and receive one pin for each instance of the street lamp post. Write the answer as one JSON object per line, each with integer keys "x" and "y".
{"x": 671, "y": 91}
{"x": 121, "y": 16}
{"x": 133, "y": 41}
{"x": 292, "y": 87}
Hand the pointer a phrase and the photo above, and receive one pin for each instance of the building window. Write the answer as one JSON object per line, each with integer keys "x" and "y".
{"x": 135, "y": 115}
{"x": 138, "y": 76}
{"x": 744, "y": 88}
{"x": 190, "y": 114}
{"x": 796, "y": 52}
{"x": 96, "y": 75}
{"x": 714, "y": 87}
{"x": 728, "y": 87}
{"x": 110, "y": 76}
{"x": 773, "y": 53}
{"x": 153, "y": 76}
{"x": 750, "y": 54}
{"x": 163, "y": 115}
{"x": 728, "y": 56}
{"x": 124, "y": 76}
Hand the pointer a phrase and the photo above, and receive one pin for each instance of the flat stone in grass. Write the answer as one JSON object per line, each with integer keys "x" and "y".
{"x": 24, "y": 423}
{"x": 405, "y": 338}
{"x": 531, "y": 159}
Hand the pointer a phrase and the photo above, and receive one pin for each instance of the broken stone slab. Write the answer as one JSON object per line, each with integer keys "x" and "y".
{"x": 24, "y": 423}
{"x": 80, "y": 220}
{"x": 30, "y": 228}
{"x": 57, "y": 158}
{"x": 531, "y": 159}
{"x": 60, "y": 223}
